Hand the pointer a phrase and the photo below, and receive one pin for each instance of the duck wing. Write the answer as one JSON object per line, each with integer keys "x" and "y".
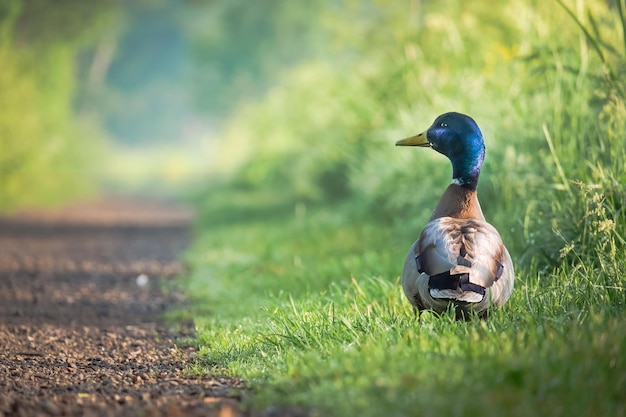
{"x": 462, "y": 257}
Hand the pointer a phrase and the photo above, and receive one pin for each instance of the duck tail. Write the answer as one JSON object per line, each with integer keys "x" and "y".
{"x": 453, "y": 285}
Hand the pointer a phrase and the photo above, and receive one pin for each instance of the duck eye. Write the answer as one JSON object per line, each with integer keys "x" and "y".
{"x": 443, "y": 124}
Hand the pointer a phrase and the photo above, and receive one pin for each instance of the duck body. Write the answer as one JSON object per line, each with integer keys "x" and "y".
{"x": 459, "y": 258}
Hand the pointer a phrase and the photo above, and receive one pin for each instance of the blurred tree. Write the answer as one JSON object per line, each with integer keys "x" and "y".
{"x": 241, "y": 48}
{"x": 173, "y": 67}
{"x": 136, "y": 77}
{"x": 43, "y": 153}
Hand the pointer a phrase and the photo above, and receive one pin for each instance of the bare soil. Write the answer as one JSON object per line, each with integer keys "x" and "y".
{"x": 82, "y": 295}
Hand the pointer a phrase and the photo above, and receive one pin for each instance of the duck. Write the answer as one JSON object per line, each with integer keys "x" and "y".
{"x": 459, "y": 261}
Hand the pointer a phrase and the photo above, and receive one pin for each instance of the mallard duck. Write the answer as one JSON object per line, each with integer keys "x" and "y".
{"x": 459, "y": 258}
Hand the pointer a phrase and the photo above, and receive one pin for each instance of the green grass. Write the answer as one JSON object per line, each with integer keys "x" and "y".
{"x": 296, "y": 263}
{"x": 307, "y": 307}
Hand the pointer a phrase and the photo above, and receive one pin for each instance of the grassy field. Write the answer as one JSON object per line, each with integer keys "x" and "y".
{"x": 299, "y": 246}
{"x": 306, "y": 305}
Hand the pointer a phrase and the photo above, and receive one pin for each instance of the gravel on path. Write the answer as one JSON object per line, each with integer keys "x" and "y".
{"x": 83, "y": 290}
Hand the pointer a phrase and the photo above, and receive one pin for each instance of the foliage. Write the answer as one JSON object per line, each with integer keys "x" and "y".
{"x": 134, "y": 79}
{"x": 44, "y": 155}
{"x": 324, "y": 133}
{"x": 240, "y": 48}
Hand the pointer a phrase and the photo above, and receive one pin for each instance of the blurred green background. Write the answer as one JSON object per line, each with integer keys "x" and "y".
{"x": 133, "y": 96}
{"x": 159, "y": 95}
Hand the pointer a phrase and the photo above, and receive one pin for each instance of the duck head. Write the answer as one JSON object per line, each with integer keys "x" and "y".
{"x": 458, "y": 137}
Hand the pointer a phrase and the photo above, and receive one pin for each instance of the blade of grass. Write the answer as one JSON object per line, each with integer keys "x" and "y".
{"x": 621, "y": 9}
{"x": 556, "y": 159}
{"x": 590, "y": 38}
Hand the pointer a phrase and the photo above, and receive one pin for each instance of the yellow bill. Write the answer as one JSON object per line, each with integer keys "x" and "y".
{"x": 417, "y": 140}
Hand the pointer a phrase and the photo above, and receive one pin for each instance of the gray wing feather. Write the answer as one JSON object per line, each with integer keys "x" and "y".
{"x": 459, "y": 246}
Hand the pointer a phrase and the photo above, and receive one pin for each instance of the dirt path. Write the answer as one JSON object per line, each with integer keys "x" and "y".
{"x": 82, "y": 294}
